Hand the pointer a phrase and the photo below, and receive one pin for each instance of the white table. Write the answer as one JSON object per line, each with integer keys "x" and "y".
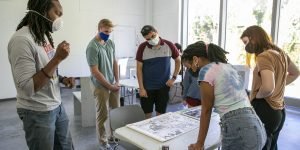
{"x": 213, "y": 139}
{"x": 128, "y": 83}
{"x": 131, "y": 83}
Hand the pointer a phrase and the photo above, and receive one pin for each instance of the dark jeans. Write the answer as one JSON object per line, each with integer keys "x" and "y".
{"x": 272, "y": 119}
{"x": 46, "y": 130}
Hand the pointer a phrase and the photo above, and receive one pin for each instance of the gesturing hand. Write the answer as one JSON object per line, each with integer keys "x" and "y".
{"x": 62, "y": 50}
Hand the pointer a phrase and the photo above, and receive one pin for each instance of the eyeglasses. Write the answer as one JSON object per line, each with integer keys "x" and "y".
{"x": 152, "y": 37}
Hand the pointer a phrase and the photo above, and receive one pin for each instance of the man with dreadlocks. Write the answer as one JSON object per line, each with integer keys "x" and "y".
{"x": 34, "y": 62}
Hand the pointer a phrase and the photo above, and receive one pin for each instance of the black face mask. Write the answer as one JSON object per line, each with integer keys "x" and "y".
{"x": 196, "y": 73}
{"x": 251, "y": 48}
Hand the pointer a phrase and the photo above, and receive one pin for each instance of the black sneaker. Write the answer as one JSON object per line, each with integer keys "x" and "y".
{"x": 113, "y": 140}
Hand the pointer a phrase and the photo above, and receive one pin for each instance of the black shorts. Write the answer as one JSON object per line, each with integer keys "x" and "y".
{"x": 158, "y": 97}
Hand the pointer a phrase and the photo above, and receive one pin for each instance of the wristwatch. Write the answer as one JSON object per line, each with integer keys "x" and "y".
{"x": 174, "y": 77}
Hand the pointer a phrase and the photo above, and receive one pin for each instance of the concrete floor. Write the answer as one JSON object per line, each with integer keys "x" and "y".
{"x": 12, "y": 134}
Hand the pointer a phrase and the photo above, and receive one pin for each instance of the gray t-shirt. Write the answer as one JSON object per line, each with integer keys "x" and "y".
{"x": 27, "y": 58}
{"x": 103, "y": 56}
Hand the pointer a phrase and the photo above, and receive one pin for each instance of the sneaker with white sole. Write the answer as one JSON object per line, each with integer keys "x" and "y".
{"x": 105, "y": 146}
{"x": 113, "y": 140}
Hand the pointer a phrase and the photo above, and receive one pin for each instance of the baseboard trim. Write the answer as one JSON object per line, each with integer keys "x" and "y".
{"x": 7, "y": 99}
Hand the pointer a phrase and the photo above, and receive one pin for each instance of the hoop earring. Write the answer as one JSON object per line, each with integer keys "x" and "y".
{"x": 196, "y": 65}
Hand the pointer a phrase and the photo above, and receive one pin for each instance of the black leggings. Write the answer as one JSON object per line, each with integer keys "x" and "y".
{"x": 272, "y": 119}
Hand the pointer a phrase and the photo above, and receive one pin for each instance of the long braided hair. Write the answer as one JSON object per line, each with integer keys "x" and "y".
{"x": 212, "y": 52}
{"x": 38, "y": 26}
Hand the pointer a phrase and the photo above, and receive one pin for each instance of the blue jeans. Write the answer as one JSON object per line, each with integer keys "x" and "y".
{"x": 242, "y": 130}
{"x": 46, "y": 130}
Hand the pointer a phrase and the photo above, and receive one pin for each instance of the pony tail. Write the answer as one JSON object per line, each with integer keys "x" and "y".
{"x": 216, "y": 54}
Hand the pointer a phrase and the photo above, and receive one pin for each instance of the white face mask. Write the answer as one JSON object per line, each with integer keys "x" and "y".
{"x": 56, "y": 24}
{"x": 154, "y": 41}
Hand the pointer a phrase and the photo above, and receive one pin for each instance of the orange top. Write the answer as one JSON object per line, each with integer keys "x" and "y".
{"x": 277, "y": 62}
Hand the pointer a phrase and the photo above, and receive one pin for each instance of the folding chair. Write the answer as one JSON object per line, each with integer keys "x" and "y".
{"x": 121, "y": 116}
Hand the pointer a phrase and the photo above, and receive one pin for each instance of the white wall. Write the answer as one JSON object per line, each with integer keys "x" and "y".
{"x": 166, "y": 19}
{"x": 80, "y": 26}
{"x": 12, "y": 12}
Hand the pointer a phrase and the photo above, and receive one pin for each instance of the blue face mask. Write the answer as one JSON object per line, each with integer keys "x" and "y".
{"x": 104, "y": 36}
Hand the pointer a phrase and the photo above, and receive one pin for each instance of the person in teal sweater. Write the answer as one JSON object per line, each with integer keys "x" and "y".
{"x": 190, "y": 88}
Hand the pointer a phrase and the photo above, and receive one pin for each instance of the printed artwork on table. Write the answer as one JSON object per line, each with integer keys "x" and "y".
{"x": 166, "y": 126}
{"x": 194, "y": 112}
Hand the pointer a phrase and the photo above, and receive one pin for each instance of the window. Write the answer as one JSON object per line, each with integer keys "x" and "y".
{"x": 289, "y": 37}
{"x": 240, "y": 15}
{"x": 203, "y": 18}
{"x": 203, "y": 24}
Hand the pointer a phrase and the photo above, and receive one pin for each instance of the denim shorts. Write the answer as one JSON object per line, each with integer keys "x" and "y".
{"x": 241, "y": 129}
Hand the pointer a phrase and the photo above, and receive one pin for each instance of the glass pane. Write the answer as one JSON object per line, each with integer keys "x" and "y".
{"x": 240, "y": 15}
{"x": 203, "y": 20}
{"x": 289, "y": 37}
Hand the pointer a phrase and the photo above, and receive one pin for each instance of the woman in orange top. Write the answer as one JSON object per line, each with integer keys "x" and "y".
{"x": 272, "y": 72}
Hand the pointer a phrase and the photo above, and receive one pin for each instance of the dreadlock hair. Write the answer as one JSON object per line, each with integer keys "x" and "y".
{"x": 212, "y": 52}
{"x": 260, "y": 38}
{"x": 38, "y": 25}
{"x": 178, "y": 46}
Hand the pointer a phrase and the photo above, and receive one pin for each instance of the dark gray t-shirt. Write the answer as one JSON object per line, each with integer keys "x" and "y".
{"x": 26, "y": 59}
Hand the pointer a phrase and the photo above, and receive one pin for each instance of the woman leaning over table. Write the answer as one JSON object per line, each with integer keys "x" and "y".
{"x": 222, "y": 88}
{"x": 272, "y": 72}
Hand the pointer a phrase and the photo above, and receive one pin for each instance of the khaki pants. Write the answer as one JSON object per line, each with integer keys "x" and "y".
{"x": 105, "y": 100}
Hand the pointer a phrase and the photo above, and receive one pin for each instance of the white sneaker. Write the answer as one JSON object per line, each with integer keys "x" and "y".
{"x": 105, "y": 146}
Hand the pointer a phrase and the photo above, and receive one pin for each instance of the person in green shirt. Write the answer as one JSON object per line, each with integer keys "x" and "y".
{"x": 100, "y": 54}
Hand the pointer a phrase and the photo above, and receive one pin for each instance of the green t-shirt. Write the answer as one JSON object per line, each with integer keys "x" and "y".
{"x": 103, "y": 56}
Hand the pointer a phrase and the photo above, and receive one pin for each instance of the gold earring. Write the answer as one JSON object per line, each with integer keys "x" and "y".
{"x": 196, "y": 63}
